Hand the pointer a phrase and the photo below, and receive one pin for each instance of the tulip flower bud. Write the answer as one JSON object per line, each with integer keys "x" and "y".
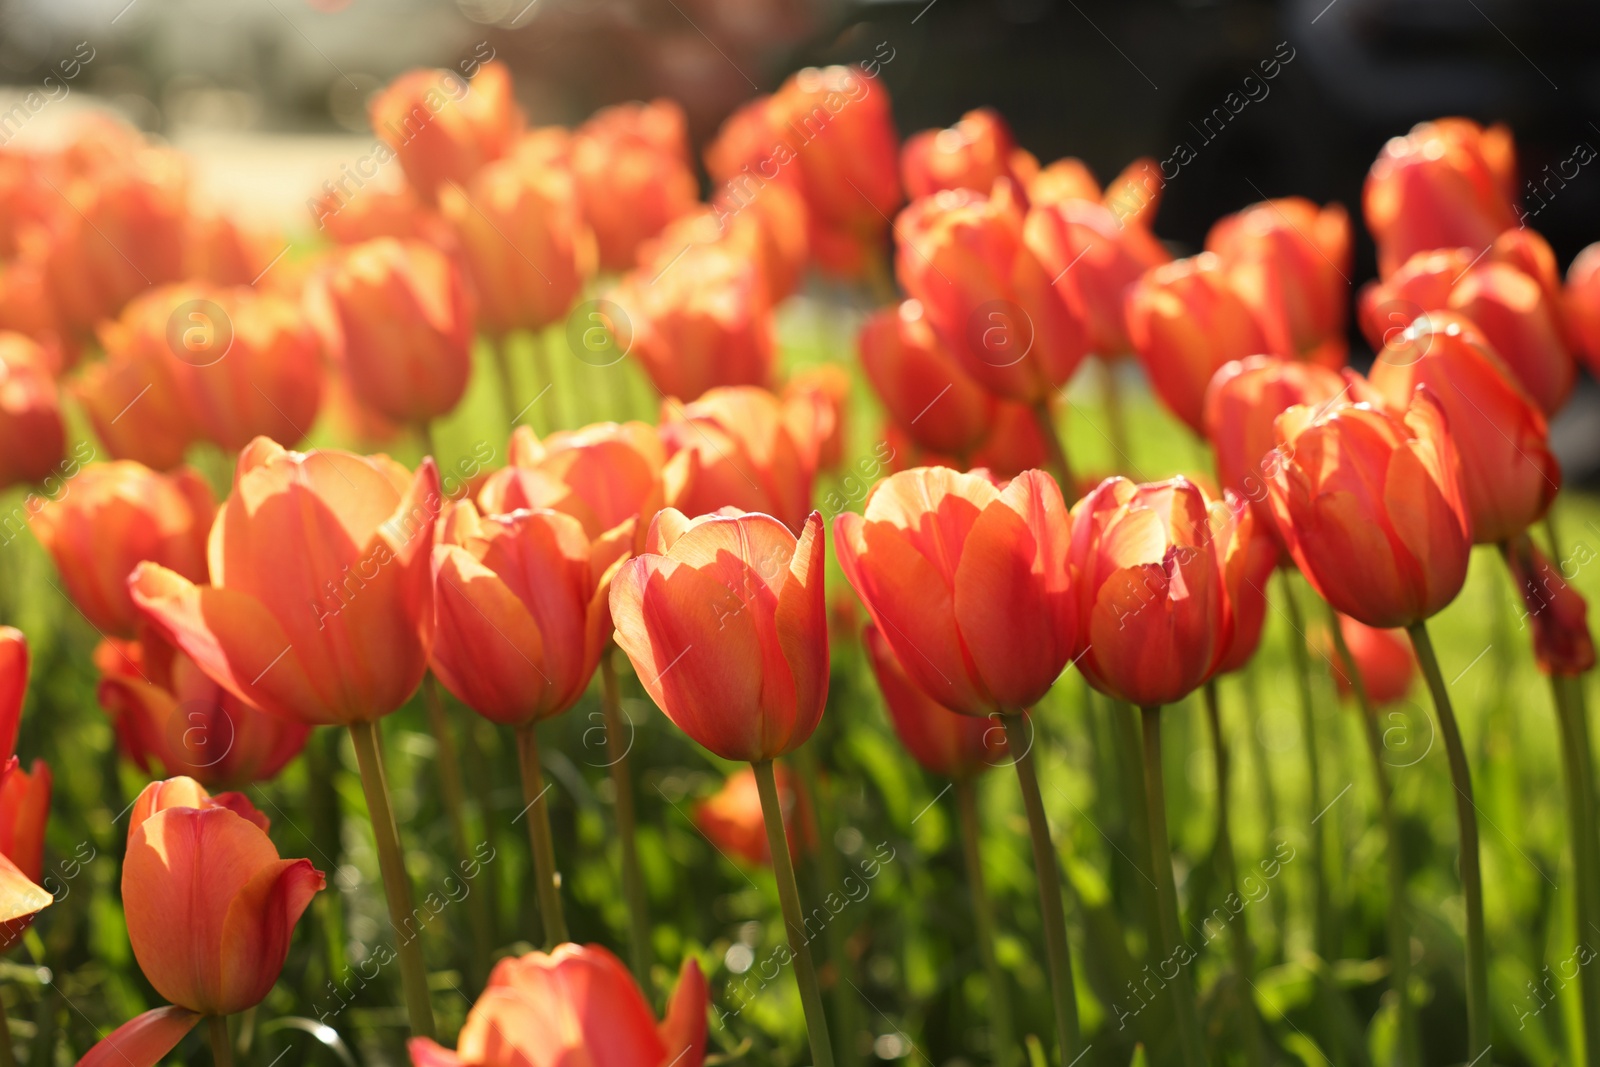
{"x": 1523, "y": 324}
{"x": 634, "y": 175}
{"x": 445, "y": 129}
{"x": 1068, "y": 178}
{"x": 1583, "y": 305}
{"x": 945, "y": 743}
{"x": 116, "y": 516}
{"x": 1248, "y": 558}
{"x": 732, "y": 819}
{"x": 217, "y": 248}
{"x": 1557, "y": 613}
{"x": 739, "y": 451}
{"x": 1384, "y": 659}
{"x": 816, "y": 407}
{"x": 24, "y": 802}
{"x": 725, "y": 622}
{"x": 1093, "y": 259}
{"x": 33, "y": 439}
{"x": 930, "y": 398}
{"x": 972, "y": 154}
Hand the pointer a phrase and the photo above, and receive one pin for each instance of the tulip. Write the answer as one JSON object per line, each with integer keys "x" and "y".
{"x": 1523, "y": 322}
{"x": 367, "y": 214}
{"x": 930, "y": 399}
{"x": 116, "y": 516}
{"x": 1387, "y": 308}
{"x": 1185, "y": 321}
{"x": 1065, "y": 179}
{"x": 1583, "y": 305}
{"x": 944, "y": 742}
{"x": 1248, "y": 560}
{"x": 219, "y": 249}
{"x": 170, "y": 717}
{"x": 1093, "y": 258}
{"x": 24, "y": 804}
{"x": 1446, "y": 184}
{"x": 1290, "y": 262}
{"x": 27, "y": 307}
{"x": 445, "y": 129}
{"x": 1383, "y": 659}
{"x": 396, "y": 316}
{"x": 32, "y": 435}
{"x": 816, "y": 407}
{"x": 731, "y": 817}
{"x": 1509, "y": 476}
{"x": 634, "y": 175}
{"x": 969, "y": 155}
{"x": 742, "y": 452}
{"x": 577, "y": 1004}
{"x": 700, "y": 323}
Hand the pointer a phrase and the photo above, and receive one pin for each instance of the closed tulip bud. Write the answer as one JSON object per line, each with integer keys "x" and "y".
{"x": 524, "y": 240}
{"x": 927, "y": 394}
{"x": 320, "y": 587}
{"x": 259, "y": 373}
{"x": 1371, "y": 507}
{"x": 725, "y": 622}
{"x": 967, "y": 582}
{"x": 170, "y": 718}
{"x": 1134, "y": 196}
{"x": 24, "y": 802}
{"x": 1383, "y": 658}
{"x": 1557, "y": 613}
{"x": 372, "y": 213}
{"x": 221, "y": 250}
{"x": 1524, "y": 324}
{"x": 1386, "y": 308}
{"x": 741, "y": 453}
{"x": 1446, "y": 184}
{"x": 634, "y": 175}
{"x": 445, "y": 129}
{"x": 1068, "y": 178}
{"x": 1248, "y": 558}
{"x": 769, "y": 231}
{"x": 945, "y": 743}
{"x": 1290, "y": 262}
{"x": 972, "y": 154}
{"x": 33, "y": 437}
{"x": 397, "y": 317}
{"x": 577, "y": 1002}
{"x": 1093, "y": 258}
{"x": 1014, "y": 445}
{"x": 116, "y": 516}
{"x": 700, "y": 323}
{"x": 520, "y": 609}
{"x": 990, "y": 299}
{"x": 731, "y": 818}
{"x": 1509, "y": 476}
{"x": 27, "y": 307}
{"x": 1185, "y": 321}
{"x": 1583, "y": 305}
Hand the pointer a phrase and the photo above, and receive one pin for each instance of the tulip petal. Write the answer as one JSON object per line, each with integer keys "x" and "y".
{"x": 19, "y": 895}
{"x": 144, "y": 1040}
{"x": 13, "y": 687}
{"x": 802, "y": 624}
{"x": 427, "y": 1053}
{"x": 259, "y": 924}
{"x": 488, "y": 650}
{"x": 683, "y": 1029}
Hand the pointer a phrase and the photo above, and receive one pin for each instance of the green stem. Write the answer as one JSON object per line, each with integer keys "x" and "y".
{"x": 619, "y": 739}
{"x": 480, "y": 772}
{"x": 1003, "y": 1039}
{"x": 546, "y": 349}
{"x": 546, "y": 879}
{"x": 1183, "y": 1005}
{"x": 1046, "y": 870}
{"x": 805, "y": 973}
{"x": 501, "y": 349}
{"x": 221, "y": 1044}
{"x": 1580, "y": 826}
{"x": 1055, "y": 451}
{"x": 396, "y": 885}
{"x": 1239, "y": 941}
{"x": 454, "y": 798}
{"x": 1467, "y": 820}
{"x": 848, "y": 1025}
{"x": 1308, "y": 725}
{"x": 1277, "y": 902}
{"x": 1116, "y": 413}
{"x": 1125, "y": 725}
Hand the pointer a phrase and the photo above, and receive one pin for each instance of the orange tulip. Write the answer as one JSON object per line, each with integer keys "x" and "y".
{"x": 1583, "y": 305}
{"x": 928, "y": 396}
{"x": 217, "y": 248}
{"x": 575, "y": 1005}
{"x": 115, "y": 516}
{"x": 1289, "y": 260}
{"x": 967, "y": 582}
{"x": 170, "y": 717}
{"x": 1524, "y": 323}
{"x": 1185, "y": 321}
{"x": 744, "y": 451}
{"x": 398, "y": 319}
{"x": 963, "y": 255}
{"x": 524, "y": 240}
{"x": 1152, "y": 564}
{"x": 634, "y": 175}
{"x": 1371, "y": 507}
{"x": 724, "y": 619}
{"x": 33, "y": 439}
{"x": 816, "y": 403}
{"x": 1014, "y": 444}
{"x": 1068, "y": 178}
{"x": 1509, "y": 476}
{"x": 24, "y": 802}
{"x": 1384, "y": 659}
{"x": 1446, "y": 184}
{"x": 969, "y": 155}
{"x": 320, "y": 585}
{"x": 731, "y": 818}
{"x": 945, "y": 743}
{"x": 829, "y": 134}
{"x": 27, "y": 307}
{"x": 1248, "y": 560}
{"x": 369, "y": 213}
{"x": 445, "y": 129}
{"x": 520, "y": 609}
{"x": 1093, "y": 258}
{"x": 700, "y": 322}
{"x": 1557, "y": 613}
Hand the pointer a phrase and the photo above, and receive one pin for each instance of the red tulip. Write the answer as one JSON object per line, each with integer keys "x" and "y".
{"x": 987, "y": 295}
{"x": 732, "y": 820}
{"x": 1371, "y": 507}
{"x": 26, "y": 307}
{"x": 1583, "y": 305}
{"x": 445, "y": 129}
{"x": 1557, "y": 613}
{"x": 634, "y": 175}
{"x": 115, "y": 516}
{"x": 24, "y": 802}
{"x": 576, "y": 1005}
{"x": 743, "y": 451}
{"x": 1383, "y": 657}
{"x": 1014, "y": 444}
{"x": 33, "y": 438}
{"x": 1248, "y": 559}
{"x": 969, "y": 155}
{"x": 320, "y": 585}
{"x": 928, "y": 396}
{"x": 967, "y": 582}
{"x": 724, "y": 619}
{"x": 945, "y": 743}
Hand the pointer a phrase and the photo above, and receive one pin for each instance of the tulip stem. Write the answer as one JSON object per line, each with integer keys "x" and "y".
{"x": 1002, "y": 1036}
{"x": 221, "y": 1044}
{"x": 396, "y": 884}
{"x": 454, "y": 797}
{"x": 1116, "y": 414}
{"x": 1308, "y": 725}
{"x": 1055, "y": 451}
{"x": 1467, "y": 820}
{"x": 547, "y": 880}
{"x": 1399, "y": 928}
{"x": 1019, "y": 740}
{"x": 501, "y": 349}
{"x": 1239, "y": 941}
{"x": 1172, "y": 946}
{"x": 1580, "y": 826}
{"x": 619, "y": 740}
{"x": 546, "y": 346}
{"x": 805, "y": 972}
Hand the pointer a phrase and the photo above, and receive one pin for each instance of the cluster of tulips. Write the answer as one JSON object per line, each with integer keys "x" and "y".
{"x": 327, "y": 586}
